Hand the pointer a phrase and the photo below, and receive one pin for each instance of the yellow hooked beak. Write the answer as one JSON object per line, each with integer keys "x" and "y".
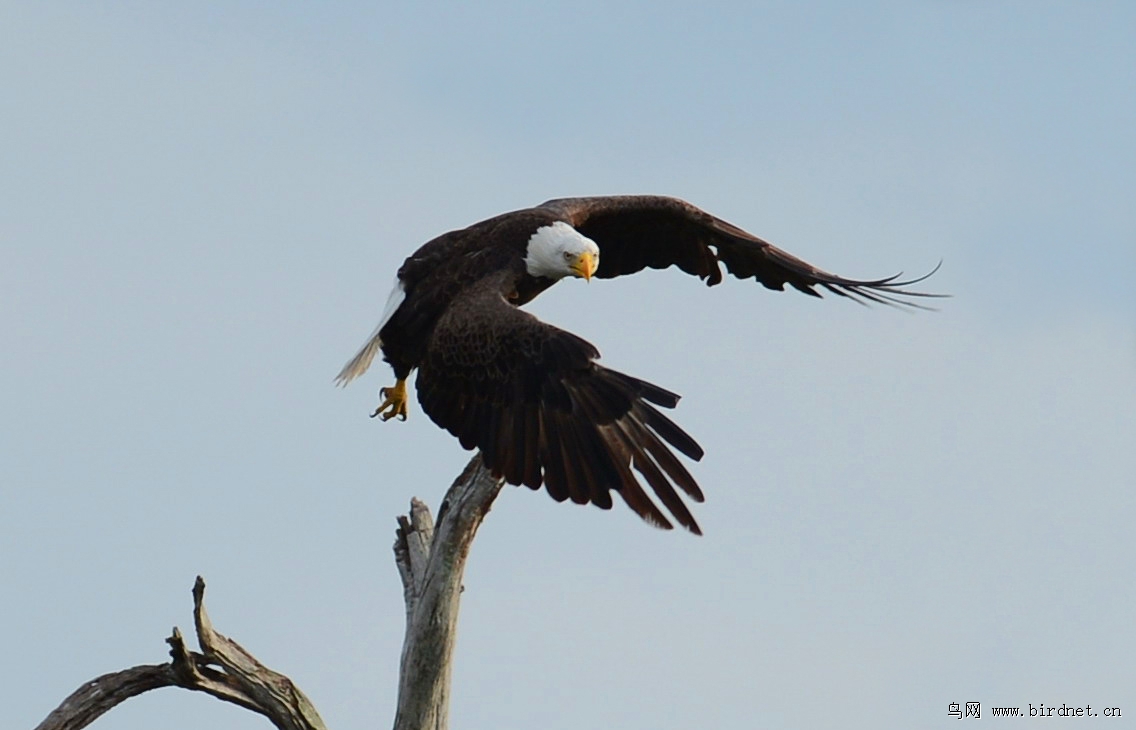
{"x": 585, "y": 265}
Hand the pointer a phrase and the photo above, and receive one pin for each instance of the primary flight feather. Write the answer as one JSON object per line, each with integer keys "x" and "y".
{"x": 531, "y": 397}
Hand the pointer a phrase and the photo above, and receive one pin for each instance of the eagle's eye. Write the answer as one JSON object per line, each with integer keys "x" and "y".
{"x": 568, "y": 256}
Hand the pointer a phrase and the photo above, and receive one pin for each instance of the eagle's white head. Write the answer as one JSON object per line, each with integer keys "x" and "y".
{"x": 559, "y": 250}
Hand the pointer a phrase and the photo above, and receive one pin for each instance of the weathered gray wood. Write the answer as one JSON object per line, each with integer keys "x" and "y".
{"x": 431, "y": 561}
{"x": 244, "y": 681}
{"x": 222, "y": 668}
{"x": 87, "y": 703}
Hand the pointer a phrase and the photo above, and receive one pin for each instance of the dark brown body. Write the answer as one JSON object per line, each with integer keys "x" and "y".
{"x": 455, "y": 270}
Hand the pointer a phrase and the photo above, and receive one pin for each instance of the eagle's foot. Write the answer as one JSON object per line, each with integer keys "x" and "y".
{"x": 394, "y": 402}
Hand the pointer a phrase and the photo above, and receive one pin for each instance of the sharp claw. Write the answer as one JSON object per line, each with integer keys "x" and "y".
{"x": 394, "y": 403}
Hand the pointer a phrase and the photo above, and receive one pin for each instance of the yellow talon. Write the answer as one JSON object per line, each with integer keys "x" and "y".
{"x": 394, "y": 402}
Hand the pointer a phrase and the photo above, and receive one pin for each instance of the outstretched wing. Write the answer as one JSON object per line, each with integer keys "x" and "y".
{"x": 532, "y": 398}
{"x": 639, "y": 231}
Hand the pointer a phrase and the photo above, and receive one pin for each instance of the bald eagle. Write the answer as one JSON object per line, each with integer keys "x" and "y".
{"x": 531, "y": 396}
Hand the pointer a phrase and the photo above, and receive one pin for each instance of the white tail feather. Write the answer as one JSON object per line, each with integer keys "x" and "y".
{"x": 358, "y": 365}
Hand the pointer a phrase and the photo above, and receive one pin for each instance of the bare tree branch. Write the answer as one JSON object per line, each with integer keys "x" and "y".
{"x": 431, "y": 562}
{"x": 90, "y": 701}
{"x": 222, "y": 668}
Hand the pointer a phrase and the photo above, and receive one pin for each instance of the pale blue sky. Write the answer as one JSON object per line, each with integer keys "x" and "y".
{"x": 201, "y": 210}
